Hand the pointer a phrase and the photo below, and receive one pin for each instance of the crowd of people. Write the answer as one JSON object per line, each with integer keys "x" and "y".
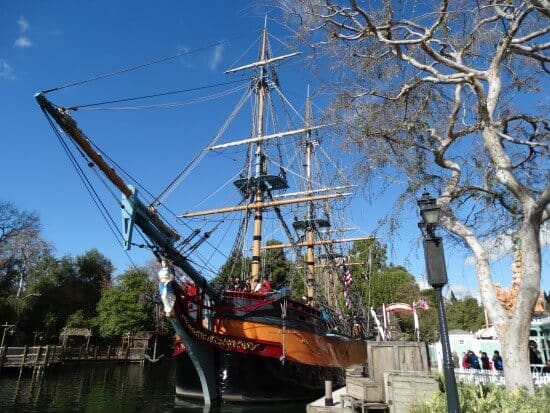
{"x": 262, "y": 287}
{"x": 470, "y": 360}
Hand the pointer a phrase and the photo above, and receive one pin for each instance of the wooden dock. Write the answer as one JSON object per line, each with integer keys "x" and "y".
{"x": 38, "y": 358}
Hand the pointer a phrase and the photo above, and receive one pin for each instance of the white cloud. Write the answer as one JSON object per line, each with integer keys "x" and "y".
{"x": 6, "y": 71}
{"x": 23, "y": 24}
{"x": 216, "y": 57}
{"x": 22, "y": 41}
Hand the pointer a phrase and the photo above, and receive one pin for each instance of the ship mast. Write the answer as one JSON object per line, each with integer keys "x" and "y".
{"x": 260, "y": 167}
{"x": 309, "y": 230}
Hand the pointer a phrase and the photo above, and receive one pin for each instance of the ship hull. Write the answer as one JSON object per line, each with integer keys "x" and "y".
{"x": 247, "y": 351}
{"x": 255, "y": 379}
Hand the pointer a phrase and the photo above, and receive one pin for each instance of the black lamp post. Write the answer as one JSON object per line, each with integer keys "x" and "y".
{"x": 437, "y": 278}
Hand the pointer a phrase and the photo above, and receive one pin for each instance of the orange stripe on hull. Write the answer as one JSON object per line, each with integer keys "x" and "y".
{"x": 300, "y": 346}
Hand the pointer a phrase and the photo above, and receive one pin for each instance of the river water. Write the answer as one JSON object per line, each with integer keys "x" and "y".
{"x": 108, "y": 387}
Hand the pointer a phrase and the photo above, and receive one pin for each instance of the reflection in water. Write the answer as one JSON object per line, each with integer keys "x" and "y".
{"x": 108, "y": 388}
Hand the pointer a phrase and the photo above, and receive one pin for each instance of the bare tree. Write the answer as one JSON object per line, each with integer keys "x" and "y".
{"x": 444, "y": 95}
{"x": 20, "y": 246}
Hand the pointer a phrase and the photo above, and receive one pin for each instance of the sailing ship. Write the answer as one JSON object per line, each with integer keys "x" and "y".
{"x": 238, "y": 343}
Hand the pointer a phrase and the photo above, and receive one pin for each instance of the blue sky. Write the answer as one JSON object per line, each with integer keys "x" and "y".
{"x": 46, "y": 44}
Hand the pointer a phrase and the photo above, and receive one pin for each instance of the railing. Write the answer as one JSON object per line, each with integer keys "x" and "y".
{"x": 474, "y": 376}
{"x": 35, "y": 357}
{"x": 39, "y": 357}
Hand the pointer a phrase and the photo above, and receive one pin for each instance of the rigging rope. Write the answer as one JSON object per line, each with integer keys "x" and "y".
{"x": 288, "y": 233}
{"x": 189, "y": 167}
{"x": 172, "y": 105}
{"x": 174, "y": 92}
{"x": 87, "y": 184}
{"x": 140, "y": 66}
{"x": 89, "y": 188}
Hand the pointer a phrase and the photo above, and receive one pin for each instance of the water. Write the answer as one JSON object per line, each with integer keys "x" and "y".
{"x": 108, "y": 387}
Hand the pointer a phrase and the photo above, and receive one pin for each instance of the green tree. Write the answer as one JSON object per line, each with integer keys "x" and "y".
{"x": 62, "y": 287}
{"x": 392, "y": 285}
{"x": 465, "y": 314}
{"x": 369, "y": 259}
{"x": 275, "y": 264}
{"x": 236, "y": 265}
{"x": 371, "y": 253}
{"x": 92, "y": 276}
{"x": 127, "y": 306}
{"x": 79, "y": 320}
{"x": 429, "y": 323}
{"x": 297, "y": 282}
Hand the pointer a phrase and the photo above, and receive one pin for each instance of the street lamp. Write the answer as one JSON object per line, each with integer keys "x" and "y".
{"x": 437, "y": 278}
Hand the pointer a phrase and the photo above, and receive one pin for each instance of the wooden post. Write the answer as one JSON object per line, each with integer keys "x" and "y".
{"x": 3, "y": 351}
{"x": 36, "y": 359}
{"x": 47, "y": 356}
{"x": 108, "y": 352}
{"x": 328, "y": 393}
{"x": 80, "y": 353}
{"x": 23, "y": 360}
{"x": 95, "y": 352}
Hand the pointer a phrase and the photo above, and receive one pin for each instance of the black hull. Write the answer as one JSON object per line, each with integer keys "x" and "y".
{"x": 255, "y": 379}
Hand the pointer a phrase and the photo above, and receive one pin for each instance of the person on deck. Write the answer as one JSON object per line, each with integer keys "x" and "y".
{"x": 266, "y": 286}
{"x": 237, "y": 284}
{"x": 258, "y": 285}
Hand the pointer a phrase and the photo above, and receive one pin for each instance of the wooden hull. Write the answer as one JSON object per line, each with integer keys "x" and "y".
{"x": 261, "y": 356}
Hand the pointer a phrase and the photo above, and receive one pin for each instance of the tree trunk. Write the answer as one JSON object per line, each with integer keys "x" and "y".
{"x": 514, "y": 337}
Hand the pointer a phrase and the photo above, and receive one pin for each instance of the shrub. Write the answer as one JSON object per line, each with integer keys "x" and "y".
{"x": 489, "y": 398}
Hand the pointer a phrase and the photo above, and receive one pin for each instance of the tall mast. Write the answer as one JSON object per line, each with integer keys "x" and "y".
{"x": 259, "y": 164}
{"x": 309, "y": 233}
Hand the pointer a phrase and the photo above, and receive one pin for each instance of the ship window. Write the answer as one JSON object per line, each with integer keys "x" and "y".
{"x": 533, "y": 333}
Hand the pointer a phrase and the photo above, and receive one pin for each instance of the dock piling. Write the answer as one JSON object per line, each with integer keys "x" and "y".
{"x": 328, "y": 393}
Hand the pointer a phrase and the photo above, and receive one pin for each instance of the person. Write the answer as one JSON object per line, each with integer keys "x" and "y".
{"x": 237, "y": 285}
{"x": 465, "y": 361}
{"x": 546, "y": 368}
{"x": 473, "y": 360}
{"x": 266, "y": 286}
{"x": 484, "y": 361}
{"x": 258, "y": 285}
{"x": 497, "y": 361}
{"x": 284, "y": 291}
{"x": 455, "y": 359}
{"x": 534, "y": 353}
